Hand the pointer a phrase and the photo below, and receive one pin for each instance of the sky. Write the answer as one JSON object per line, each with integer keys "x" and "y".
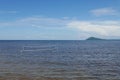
{"x": 59, "y": 19}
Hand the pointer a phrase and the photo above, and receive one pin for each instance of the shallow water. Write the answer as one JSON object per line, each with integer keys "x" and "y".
{"x": 60, "y": 60}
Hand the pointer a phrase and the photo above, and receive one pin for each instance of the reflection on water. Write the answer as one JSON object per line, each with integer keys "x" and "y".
{"x": 59, "y": 60}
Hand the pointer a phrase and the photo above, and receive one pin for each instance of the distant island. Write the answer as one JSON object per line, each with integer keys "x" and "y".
{"x": 94, "y": 38}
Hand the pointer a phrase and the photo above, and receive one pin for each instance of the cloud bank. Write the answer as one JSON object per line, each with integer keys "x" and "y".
{"x": 99, "y": 28}
{"x": 103, "y": 28}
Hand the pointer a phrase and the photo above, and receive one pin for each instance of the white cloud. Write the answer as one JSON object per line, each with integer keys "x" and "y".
{"x": 91, "y": 28}
{"x": 104, "y": 11}
{"x": 104, "y": 28}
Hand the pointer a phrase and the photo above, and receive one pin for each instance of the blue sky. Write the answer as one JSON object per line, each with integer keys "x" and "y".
{"x": 59, "y": 19}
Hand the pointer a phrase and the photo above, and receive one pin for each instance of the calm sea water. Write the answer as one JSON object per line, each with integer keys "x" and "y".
{"x": 94, "y": 60}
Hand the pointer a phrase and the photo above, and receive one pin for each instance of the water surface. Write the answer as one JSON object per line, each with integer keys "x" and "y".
{"x": 60, "y": 60}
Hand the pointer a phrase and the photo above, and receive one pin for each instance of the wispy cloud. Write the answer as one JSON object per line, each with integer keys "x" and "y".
{"x": 104, "y": 11}
{"x": 99, "y": 28}
{"x": 37, "y": 22}
{"x": 8, "y": 12}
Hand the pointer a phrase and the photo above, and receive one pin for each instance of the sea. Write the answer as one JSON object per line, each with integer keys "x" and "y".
{"x": 60, "y": 59}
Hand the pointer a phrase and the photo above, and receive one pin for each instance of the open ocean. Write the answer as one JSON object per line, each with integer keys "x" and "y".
{"x": 59, "y": 60}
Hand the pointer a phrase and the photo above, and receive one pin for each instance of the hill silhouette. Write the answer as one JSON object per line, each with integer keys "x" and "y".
{"x": 94, "y": 38}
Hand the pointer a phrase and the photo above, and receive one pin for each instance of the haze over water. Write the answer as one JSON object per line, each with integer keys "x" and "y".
{"x": 60, "y": 60}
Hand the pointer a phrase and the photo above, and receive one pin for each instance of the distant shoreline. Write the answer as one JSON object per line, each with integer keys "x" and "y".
{"x": 66, "y": 40}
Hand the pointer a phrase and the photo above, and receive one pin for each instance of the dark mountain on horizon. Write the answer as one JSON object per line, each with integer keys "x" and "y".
{"x": 94, "y": 38}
